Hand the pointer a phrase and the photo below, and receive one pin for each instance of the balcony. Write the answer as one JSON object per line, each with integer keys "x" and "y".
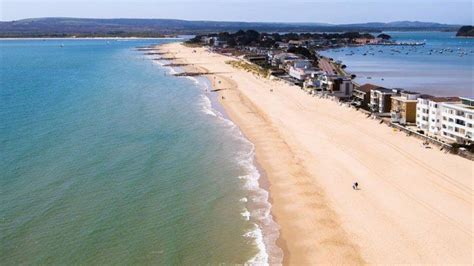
{"x": 396, "y": 116}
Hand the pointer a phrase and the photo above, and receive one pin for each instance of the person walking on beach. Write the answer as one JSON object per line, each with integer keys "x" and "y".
{"x": 355, "y": 186}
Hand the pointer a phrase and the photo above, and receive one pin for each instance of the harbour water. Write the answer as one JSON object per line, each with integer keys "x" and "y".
{"x": 443, "y": 66}
{"x": 107, "y": 159}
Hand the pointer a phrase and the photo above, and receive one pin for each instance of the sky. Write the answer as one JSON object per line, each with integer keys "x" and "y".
{"x": 321, "y": 11}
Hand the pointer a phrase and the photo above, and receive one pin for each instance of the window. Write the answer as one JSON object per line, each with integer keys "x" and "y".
{"x": 460, "y": 122}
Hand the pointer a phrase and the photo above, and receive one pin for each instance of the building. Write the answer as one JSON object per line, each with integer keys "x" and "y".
{"x": 381, "y": 100}
{"x": 457, "y": 122}
{"x": 301, "y": 69}
{"x": 367, "y": 41}
{"x": 428, "y": 112}
{"x": 279, "y": 60}
{"x": 403, "y": 107}
{"x": 340, "y": 86}
{"x": 361, "y": 95}
{"x": 314, "y": 82}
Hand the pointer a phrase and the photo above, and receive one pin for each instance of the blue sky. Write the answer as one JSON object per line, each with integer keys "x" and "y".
{"x": 325, "y": 11}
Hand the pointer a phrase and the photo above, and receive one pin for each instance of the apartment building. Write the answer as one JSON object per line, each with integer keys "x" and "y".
{"x": 457, "y": 122}
{"x": 381, "y": 100}
{"x": 428, "y": 112}
{"x": 403, "y": 107}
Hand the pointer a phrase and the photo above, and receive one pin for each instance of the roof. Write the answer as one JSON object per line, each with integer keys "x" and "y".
{"x": 409, "y": 92}
{"x": 426, "y": 96}
{"x": 445, "y": 99}
{"x": 368, "y": 87}
{"x": 403, "y": 99}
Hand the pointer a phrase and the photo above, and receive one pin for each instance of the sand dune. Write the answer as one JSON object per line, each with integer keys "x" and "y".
{"x": 414, "y": 205}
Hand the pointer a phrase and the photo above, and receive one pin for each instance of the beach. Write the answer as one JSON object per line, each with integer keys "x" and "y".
{"x": 414, "y": 204}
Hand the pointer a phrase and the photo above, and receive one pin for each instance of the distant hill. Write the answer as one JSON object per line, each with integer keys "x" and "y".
{"x": 67, "y": 27}
{"x": 466, "y": 31}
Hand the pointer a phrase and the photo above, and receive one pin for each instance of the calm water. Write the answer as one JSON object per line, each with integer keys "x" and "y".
{"x": 421, "y": 68}
{"x": 106, "y": 159}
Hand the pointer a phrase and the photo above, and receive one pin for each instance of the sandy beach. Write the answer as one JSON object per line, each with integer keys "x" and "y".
{"x": 414, "y": 204}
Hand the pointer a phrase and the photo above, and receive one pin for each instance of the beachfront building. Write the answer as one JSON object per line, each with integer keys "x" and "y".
{"x": 457, "y": 122}
{"x": 340, "y": 86}
{"x": 381, "y": 100}
{"x": 315, "y": 81}
{"x": 333, "y": 85}
{"x": 301, "y": 69}
{"x": 428, "y": 113}
{"x": 280, "y": 60}
{"x": 361, "y": 96}
{"x": 403, "y": 107}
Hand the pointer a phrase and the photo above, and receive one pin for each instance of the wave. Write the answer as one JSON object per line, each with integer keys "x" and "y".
{"x": 265, "y": 231}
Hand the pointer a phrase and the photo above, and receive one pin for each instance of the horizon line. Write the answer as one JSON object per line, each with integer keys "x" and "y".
{"x": 237, "y": 21}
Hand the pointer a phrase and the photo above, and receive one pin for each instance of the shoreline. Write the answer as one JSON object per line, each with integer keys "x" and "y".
{"x": 88, "y": 38}
{"x": 266, "y": 224}
{"x": 306, "y": 160}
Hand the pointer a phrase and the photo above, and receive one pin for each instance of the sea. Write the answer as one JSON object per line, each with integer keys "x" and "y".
{"x": 107, "y": 158}
{"x": 441, "y": 67}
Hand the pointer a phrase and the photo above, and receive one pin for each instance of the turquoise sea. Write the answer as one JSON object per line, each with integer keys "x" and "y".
{"x": 108, "y": 159}
{"x": 443, "y": 66}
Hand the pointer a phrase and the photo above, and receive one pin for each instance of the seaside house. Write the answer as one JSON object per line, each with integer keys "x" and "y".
{"x": 340, "y": 86}
{"x": 279, "y": 60}
{"x": 361, "y": 95}
{"x": 301, "y": 69}
{"x": 428, "y": 112}
{"x": 457, "y": 122}
{"x": 315, "y": 81}
{"x": 381, "y": 100}
{"x": 282, "y": 45}
{"x": 219, "y": 43}
{"x": 403, "y": 107}
{"x": 333, "y": 85}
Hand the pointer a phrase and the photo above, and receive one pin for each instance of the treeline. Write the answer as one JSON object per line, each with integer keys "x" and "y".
{"x": 465, "y": 31}
{"x": 252, "y": 37}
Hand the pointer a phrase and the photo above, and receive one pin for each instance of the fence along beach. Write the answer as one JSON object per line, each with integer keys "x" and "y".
{"x": 414, "y": 204}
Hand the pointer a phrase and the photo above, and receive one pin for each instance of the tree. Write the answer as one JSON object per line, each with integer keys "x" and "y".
{"x": 384, "y": 36}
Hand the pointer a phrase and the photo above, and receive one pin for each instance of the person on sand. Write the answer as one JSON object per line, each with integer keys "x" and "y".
{"x": 355, "y": 186}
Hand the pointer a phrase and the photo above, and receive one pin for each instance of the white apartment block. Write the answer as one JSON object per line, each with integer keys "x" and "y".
{"x": 457, "y": 121}
{"x": 428, "y": 112}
